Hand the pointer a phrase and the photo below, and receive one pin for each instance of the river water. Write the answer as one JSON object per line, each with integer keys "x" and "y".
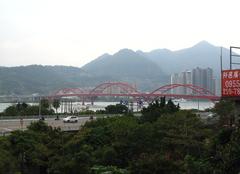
{"x": 77, "y": 106}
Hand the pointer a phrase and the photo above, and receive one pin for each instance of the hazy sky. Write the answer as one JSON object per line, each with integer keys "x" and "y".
{"x": 74, "y": 32}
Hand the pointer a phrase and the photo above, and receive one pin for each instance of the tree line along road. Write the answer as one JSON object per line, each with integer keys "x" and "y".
{"x": 8, "y": 125}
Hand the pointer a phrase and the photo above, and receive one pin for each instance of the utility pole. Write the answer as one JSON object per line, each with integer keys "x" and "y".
{"x": 221, "y": 67}
{"x": 230, "y": 57}
{"x": 39, "y": 111}
{"x": 237, "y": 100}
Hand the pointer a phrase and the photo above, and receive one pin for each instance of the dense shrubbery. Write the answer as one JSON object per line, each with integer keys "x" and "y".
{"x": 116, "y": 109}
{"x": 156, "y": 109}
{"x": 171, "y": 141}
{"x": 21, "y": 109}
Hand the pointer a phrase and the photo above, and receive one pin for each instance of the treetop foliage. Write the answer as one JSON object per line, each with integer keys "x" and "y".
{"x": 172, "y": 141}
{"x": 157, "y": 108}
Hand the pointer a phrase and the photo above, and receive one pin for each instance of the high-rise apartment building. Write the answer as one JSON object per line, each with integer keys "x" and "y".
{"x": 175, "y": 79}
{"x": 181, "y": 78}
{"x": 202, "y": 77}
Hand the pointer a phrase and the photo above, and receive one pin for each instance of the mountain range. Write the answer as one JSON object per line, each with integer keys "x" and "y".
{"x": 129, "y": 66}
{"x": 202, "y": 55}
{"x": 147, "y": 70}
{"x": 44, "y": 79}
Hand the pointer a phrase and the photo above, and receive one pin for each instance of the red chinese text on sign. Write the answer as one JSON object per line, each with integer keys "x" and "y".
{"x": 231, "y": 83}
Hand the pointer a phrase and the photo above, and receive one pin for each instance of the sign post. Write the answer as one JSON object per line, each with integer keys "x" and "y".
{"x": 231, "y": 83}
{"x": 231, "y": 90}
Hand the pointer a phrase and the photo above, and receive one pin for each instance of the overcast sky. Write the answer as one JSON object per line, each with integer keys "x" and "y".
{"x": 74, "y": 32}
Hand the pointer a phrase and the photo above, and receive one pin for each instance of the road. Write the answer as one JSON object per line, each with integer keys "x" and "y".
{"x": 9, "y": 125}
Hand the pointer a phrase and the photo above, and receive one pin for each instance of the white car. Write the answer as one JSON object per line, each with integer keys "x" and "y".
{"x": 70, "y": 119}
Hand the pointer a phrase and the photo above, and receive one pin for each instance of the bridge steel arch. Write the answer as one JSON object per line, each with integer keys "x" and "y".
{"x": 130, "y": 91}
{"x": 198, "y": 89}
{"x": 200, "y": 92}
{"x": 68, "y": 92}
{"x": 127, "y": 88}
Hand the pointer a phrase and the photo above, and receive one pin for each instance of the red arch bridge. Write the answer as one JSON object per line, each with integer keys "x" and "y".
{"x": 122, "y": 89}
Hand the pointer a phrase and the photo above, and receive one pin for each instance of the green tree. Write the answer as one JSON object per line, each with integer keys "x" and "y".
{"x": 108, "y": 170}
{"x": 32, "y": 110}
{"x": 45, "y": 107}
{"x": 34, "y": 148}
{"x": 11, "y": 111}
{"x": 8, "y": 164}
{"x": 116, "y": 109}
{"x": 197, "y": 165}
{"x": 162, "y": 102}
{"x": 168, "y": 141}
{"x": 226, "y": 154}
{"x": 225, "y": 109}
{"x": 181, "y": 134}
{"x": 56, "y": 104}
{"x": 171, "y": 107}
{"x": 152, "y": 112}
{"x": 155, "y": 109}
{"x": 45, "y": 104}
{"x": 153, "y": 164}
{"x": 16, "y": 110}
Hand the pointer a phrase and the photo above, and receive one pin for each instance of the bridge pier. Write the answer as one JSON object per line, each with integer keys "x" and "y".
{"x": 139, "y": 105}
{"x": 71, "y": 107}
{"x": 61, "y": 106}
{"x": 131, "y": 106}
{"x": 66, "y": 107}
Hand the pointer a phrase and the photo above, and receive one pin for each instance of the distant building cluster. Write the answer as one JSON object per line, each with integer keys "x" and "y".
{"x": 202, "y": 77}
